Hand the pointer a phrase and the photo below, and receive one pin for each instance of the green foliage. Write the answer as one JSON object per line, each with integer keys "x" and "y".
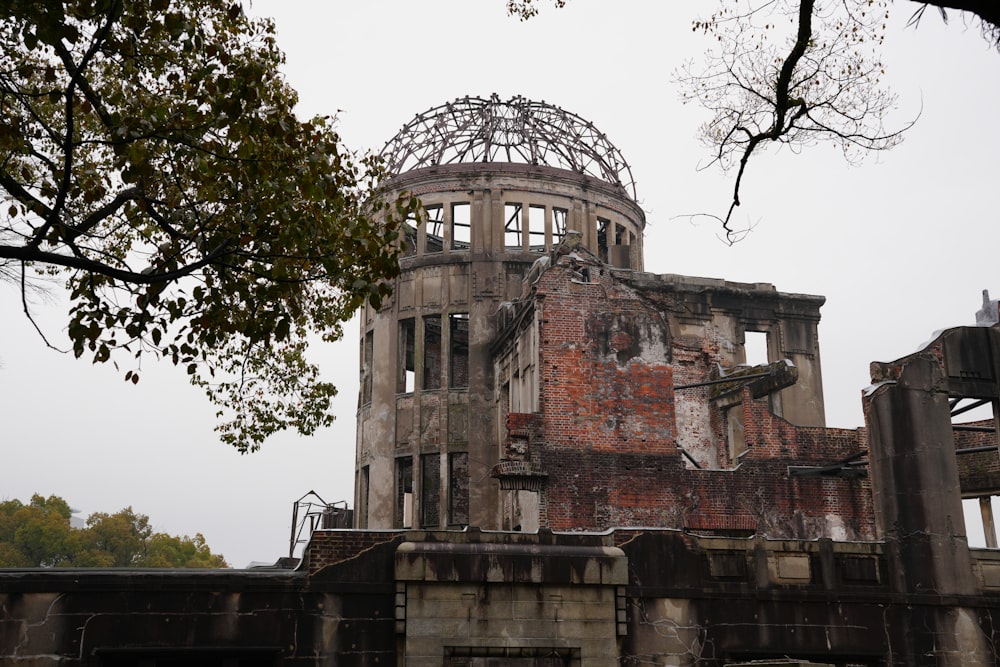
{"x": 169, "y": 551}
{"x": 39, "y": 535}
{"x": 149, "y": 154}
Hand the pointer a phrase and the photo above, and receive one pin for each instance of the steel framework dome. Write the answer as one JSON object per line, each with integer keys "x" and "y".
{"x": 475, "y": 129}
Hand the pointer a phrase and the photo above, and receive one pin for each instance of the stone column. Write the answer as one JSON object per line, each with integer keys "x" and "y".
{"x": 918, "y": 497}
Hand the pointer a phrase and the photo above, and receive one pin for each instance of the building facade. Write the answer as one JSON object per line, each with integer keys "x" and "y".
{"x": 563, "y": 460}
{"x": 502, "y": 183}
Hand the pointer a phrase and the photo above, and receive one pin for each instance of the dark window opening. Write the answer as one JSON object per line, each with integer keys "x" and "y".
{"x": 367, "y": 353}
{"x": 461, "y": 226}
{"x": 430, "y": 490}
{"x": 362, "y": 512}
{"x": 432, "y": 352}
{"x": 405, "y": 377}
{"x": 603, "y": 226}
{"x": 458, "y": 489}
{"x": 404, "y": 492}
{"x": 459, "y": 361}
{"x": 503, "y": 403}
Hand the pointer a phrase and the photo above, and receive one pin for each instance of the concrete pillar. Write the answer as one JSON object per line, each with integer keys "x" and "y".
{"x": 918, "y": 499}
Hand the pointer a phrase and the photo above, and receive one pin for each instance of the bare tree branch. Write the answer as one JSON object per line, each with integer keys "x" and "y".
{"x": 820, "y": 82}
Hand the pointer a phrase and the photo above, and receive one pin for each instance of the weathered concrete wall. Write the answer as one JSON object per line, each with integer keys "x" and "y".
{"x": 494, "y": 595}
{"x": 208, "y": 618}
{"x": 627, "y": 597}
{"x": 467, "y": 265}
{"x": 918, "y": 485}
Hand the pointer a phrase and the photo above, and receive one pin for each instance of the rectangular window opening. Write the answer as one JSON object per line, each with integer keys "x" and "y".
{"x": 367, "y": 362}
{"x": 503, "y": 408}
{"x": 620, "y": 235}
{"x": 536, "y": 228}
{"x": 411, "y": 227}
{"x": 980, "y": 527}
{"x": 432, "y": 352}
{"x": 461, "y": 226}
{"x": 560, "y": 218}
{"x": 458, "y": 489}
{"x": 435, "y": 228}
{"x": 603, "y": 226}
{"x": 755, "y": 348}
{"x": 430, "y": 490}
{"x": 362, "y": 513}
{"x": 458, "y": 376}
{"x": 512, "y": 226}
{"x": 405, "y": 377}
{"x": 967, "y": 410}
{"x": 404, "y": 492}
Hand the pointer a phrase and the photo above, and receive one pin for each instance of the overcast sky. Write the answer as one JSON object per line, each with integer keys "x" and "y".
{"x": 901, "y": 246}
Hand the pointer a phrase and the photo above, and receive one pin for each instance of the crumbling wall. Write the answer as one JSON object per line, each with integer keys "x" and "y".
{"x": 609, "y": 429}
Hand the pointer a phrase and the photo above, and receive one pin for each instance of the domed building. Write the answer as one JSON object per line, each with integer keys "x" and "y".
{"x": 502, "y": 183}
{"x": 564, "y": 460}
{"x": 470, "y": 412}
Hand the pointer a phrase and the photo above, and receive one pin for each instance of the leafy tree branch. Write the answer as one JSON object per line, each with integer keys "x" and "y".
{"x": 150, "y": 157}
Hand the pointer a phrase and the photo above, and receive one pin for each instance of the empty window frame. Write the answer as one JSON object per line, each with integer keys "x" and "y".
{"x": 430, "y": 490}
{"x": 405, "y": 375}
{"x": 620, "y": 234}
{"x": 512, "y": 226}
{"x": 404, "y": 492}
{"x": 411, "y": 227}
{"x": 461, "y": 226}
{"x": 603, "y": 229}
{"x": 432, "y": 352}
{"x": 755, "y": 348}
{"x": 458, "y": 376}
{"x": 367, "y": 363}
{"x": 435, "y": 228}
{"x": 503, "y": 410}
{"x": 980, "y": 526}
{"x": 458, "y": 489}
{"x": 536, "y": 228}
{"x": 560, "y": 218}
{"x": 363, "y": 482}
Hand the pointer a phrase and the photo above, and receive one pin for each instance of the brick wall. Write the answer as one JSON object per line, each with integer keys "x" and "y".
{"x": 608, "y": 434}
{"x": 328, "y": 547}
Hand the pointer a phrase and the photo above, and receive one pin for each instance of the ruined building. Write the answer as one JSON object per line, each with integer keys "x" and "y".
{"x": 564, "y": 460}
{"x": 524, "y": 343}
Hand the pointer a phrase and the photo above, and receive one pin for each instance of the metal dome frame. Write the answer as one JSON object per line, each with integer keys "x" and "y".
{"x": 475, "y": 129}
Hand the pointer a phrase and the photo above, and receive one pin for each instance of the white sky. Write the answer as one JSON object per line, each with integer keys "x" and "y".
{"x": 900, "y": 246}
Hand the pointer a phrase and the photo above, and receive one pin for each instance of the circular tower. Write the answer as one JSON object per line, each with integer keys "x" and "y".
{"x": 502, "y": 183}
